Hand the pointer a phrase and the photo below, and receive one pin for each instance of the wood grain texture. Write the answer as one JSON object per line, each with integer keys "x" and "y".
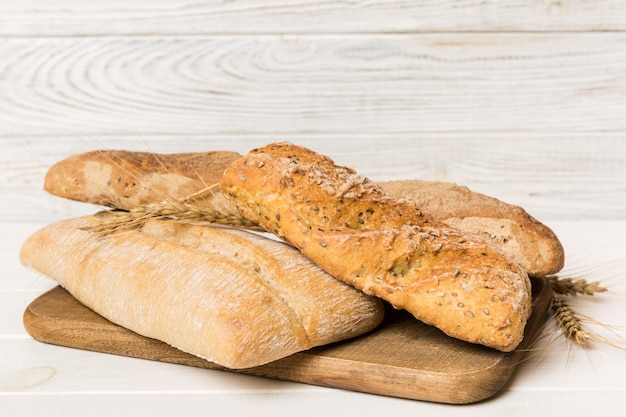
{"x": 331, "y": 84}
{"x": 519, "y": 100}
{"x": 402, "y": 358}
{"x": 539, "y": 124}
{"x": 146, "y": 17}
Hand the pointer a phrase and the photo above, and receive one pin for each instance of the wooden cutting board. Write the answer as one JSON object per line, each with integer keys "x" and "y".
{"x": 401, "y": 358}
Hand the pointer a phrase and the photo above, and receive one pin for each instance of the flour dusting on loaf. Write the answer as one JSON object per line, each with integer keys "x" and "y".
{"x": 231, "y": 297}
{"x": 346, "y": 224}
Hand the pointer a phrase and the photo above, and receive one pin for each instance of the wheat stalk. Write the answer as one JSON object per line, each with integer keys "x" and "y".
{"x": 577, "y": 327}
{"x": 571, "y": 286}
{"x": 569, "y": 322}
{"x": 182, "y": 210}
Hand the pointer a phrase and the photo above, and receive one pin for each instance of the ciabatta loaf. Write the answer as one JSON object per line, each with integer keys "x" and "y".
{"x": 127, "y": 180}
{"x": 389, "y": 248}
{"x": 524, "y": 239}
{"x": 231, "y": 297}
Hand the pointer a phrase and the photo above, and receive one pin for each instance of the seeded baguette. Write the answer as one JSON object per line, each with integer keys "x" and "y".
{"x": 524, "y": 239}
{"x": 231, "y": 297}
{"x": 346, "y": 224}
{"x": 129, "y": 180}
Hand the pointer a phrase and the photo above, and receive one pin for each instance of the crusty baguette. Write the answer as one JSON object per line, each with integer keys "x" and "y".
{"x": 523, "y": 238}
{"x": 385, "y": 247}
{"x": 125, "y": 179}
{"x": 128, "y": 180}
{"x": 232, "y": 297}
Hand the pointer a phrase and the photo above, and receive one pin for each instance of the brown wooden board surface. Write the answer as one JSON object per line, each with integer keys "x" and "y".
{"x": 402, "y": 357}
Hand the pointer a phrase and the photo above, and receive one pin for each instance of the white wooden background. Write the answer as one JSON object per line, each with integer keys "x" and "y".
{"x": 523, "y": 100}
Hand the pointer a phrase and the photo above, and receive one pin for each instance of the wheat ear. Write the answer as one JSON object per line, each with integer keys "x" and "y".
{"x": 182, "y": 210}
{"x": 569, "y": 322}
{"x": 571, "y": 286}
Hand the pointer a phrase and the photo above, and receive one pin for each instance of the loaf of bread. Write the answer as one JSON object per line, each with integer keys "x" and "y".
{"x": 389, "y": 248}
{"x": 232, "y": 297}
{"x": 125, "y": 179}
{"x": 128, "y": 180}
{"x": 524, "y": 239}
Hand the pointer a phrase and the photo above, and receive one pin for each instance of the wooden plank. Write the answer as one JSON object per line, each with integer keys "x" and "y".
{"x": 275, "y": 85}
{"x": 401, "y": 358}
{"x": 119, "y": 17}
{"x": 560, "y": 176}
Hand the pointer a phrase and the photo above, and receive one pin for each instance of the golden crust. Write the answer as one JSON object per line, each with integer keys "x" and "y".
{"x": 126, "y": 179}
{"x": 510, "y": 228}
{"x": 347, "y": 225}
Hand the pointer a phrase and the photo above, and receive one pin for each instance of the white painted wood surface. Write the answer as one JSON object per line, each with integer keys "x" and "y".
{"x": 522, "y": 100}
{"x": 321, "y": 84}
{"x": 112, "y": 17}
